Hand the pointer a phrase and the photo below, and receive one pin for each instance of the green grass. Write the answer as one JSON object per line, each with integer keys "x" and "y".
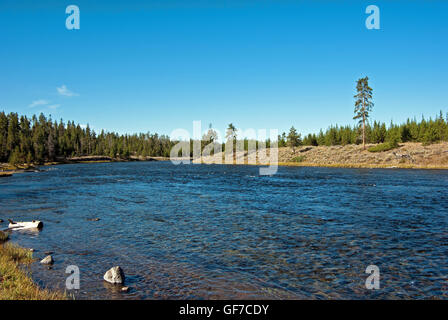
{"x": 15, "y": 282}
{"x": 298, "y": 159}
{"x": 3, "y": 236}
{"x": 383, "y": 147}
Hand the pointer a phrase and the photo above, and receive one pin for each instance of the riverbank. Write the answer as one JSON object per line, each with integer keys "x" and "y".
{"x": 15, "y": 282}
{"x": 7, "y": 170}
{"x": 407, "y": 155}
{"x": 410, "y": 155}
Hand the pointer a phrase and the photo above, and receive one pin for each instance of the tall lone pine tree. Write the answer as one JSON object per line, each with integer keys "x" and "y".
{"x": 363, "y": 105}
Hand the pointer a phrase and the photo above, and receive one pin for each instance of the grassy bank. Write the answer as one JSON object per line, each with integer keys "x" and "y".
{"x": 15, "y": 282}
{"x": 405, "y": 155}
{"x": 364, "y": 165}
{"x": 409, "y": 155}
{"x": 3, "y": 236}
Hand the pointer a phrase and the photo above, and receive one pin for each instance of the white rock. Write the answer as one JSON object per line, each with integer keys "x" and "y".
{"x": 114, "y": 275}
{"x": 47, "y": 260}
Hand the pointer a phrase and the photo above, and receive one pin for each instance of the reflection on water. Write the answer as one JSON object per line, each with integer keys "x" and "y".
{"x": 210, "y": 231}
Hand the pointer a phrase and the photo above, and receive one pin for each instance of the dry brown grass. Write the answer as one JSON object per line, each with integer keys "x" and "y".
{"x": 3, "y": 236}
{"x": 7, "y": 167}
{"x": 407, "y": 155}
{"x": 15, "y": 283}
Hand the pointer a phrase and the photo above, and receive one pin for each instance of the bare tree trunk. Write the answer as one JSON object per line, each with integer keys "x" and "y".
{"x": 363, "y": 134}
{"x": 234, "y": 150}
{"x": 363, "y": 125}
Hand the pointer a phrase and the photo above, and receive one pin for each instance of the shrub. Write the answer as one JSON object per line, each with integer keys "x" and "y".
{"x": 298, "y": 159}
{"x": 384, "y": 147}
{"x": 393, "y": 139}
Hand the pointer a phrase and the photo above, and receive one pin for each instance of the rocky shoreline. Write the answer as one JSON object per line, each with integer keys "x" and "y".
{"x": 15, "y": 263}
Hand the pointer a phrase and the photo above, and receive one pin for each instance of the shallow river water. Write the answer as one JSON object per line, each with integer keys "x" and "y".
{"x": 224, "y": 232}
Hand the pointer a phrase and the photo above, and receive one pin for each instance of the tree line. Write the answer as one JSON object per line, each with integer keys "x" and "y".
{"x": 40, "y": 139}
{"x": 426, "y": 131}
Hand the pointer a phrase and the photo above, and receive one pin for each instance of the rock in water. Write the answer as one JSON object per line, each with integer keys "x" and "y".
{"x": 47, "y": 260}
{"x": 114, "y": 275}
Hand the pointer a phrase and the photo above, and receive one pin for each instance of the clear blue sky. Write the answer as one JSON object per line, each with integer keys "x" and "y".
{"x": 138, "y": 66}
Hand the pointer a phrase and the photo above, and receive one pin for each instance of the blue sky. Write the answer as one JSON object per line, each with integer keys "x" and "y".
{"x": 138, "y": 66}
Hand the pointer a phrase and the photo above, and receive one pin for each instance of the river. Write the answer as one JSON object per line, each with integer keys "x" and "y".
{"x": 225, "y": 232}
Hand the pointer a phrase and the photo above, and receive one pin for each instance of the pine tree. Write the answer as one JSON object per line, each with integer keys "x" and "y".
{"x": 231, "y": 137}
{"x": 363, "y": 105}
{"x": 430, "y": 136}
{"x": 282, "y": 140}
{"x": 321, "y": 138}
{"x": 15, "y": 157}
{"x": 4, "y": 154}
{"x": 13, "y": 132}
{"x": 293, "y": 139}
{"x": 211, "y": 135}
